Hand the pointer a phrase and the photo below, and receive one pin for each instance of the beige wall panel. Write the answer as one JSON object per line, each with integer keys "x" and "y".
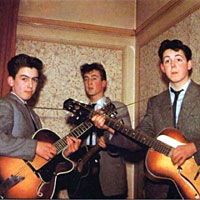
{"x": 112, "y": 13}
{"x": 146, "y": 9}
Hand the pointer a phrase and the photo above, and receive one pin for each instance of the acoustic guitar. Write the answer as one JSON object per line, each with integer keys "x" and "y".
{"x": 31, "y": 179}
{"x": 37, "y": 179}
{"x": 158, "y": 162}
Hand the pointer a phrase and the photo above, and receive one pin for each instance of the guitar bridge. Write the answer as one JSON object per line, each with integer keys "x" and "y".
{"x": 9, "y": 183}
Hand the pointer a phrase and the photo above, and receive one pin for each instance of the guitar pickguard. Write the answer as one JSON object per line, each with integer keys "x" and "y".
{"x": 52, "y": 168}
{"x": 169, "y": 140}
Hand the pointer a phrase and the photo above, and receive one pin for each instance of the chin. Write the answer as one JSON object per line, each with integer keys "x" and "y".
{"x": 26, "y": 98}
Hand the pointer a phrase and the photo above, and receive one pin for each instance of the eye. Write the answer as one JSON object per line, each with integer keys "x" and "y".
{"x": 24, "y": 78}
{"x": 179, "y": 59}
{"x": 35, "y": 80}
{"x": 85, "y": 79}
{"x": 166, "y": 61}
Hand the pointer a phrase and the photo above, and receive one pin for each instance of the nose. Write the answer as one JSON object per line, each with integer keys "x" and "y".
{"x": 30, "y": 83}
{"x": 89, "y": 81}
{"x": 173, "y": 64}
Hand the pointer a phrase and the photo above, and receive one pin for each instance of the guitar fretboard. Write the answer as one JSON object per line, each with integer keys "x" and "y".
{"x": 76, "y": 132}
{"x": 139, "y": 136}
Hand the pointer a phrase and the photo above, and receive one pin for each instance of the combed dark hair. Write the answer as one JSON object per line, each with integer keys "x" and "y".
{"x": 23, "y": 60}
{"x": 85, "y": 68}
{"x": 175, "y": 45}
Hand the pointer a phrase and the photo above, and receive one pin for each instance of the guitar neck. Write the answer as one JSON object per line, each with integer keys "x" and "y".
{"x": 77, "y": 132}
{"x": 139, "y": 136}
{"x": 90, "y": 153}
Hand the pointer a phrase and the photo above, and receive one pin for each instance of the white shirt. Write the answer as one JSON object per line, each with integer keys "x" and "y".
{"x": 99, "y": 104}
{"x": 180, "y": 97}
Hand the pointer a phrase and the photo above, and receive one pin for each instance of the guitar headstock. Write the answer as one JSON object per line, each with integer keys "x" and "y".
{"x": 76, "y": 107}
{"x": 81, "y": 109}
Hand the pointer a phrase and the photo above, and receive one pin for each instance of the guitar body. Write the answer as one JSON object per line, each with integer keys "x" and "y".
{"x": 38, "y": 177}
{"x": 87, "y": 165}
{"x": 161, "y": 166}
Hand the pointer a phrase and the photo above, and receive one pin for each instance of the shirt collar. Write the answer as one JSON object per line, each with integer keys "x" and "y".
{"x": 24, "y": 102}
{"x": 184, "y": 87}
{"x": 100, "y": 103}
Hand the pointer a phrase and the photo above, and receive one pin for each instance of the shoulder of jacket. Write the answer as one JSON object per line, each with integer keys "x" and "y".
{"x": 117, "y": 103}
{"x": 159, "y": 96}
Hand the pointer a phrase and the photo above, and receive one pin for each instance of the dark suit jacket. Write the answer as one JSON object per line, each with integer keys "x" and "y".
{"x": 17, "y": 129}
{"x": 159, "y": 116}
{"x": 113, "y": 178}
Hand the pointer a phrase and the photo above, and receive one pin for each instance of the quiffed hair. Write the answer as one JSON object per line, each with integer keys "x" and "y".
{"x": 85, "y": 68}
{"x": 23, "y": 60}
{"x": 175, "y": 45}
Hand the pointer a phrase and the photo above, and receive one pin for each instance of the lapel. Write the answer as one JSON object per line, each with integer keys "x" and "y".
{"x": 166, "y": 109}
{"x": 24, "y": 110}
{"x": 190, "y": 100}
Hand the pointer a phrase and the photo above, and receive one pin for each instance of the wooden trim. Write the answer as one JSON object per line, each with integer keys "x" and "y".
{"x": 156, "y": 15}
{"x": 75, "y": 43}
{"x": 57, "y": 23}
{"x": 164, "y": 21}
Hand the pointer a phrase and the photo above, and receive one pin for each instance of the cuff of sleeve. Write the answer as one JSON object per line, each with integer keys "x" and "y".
{"x": 32, "y": 149}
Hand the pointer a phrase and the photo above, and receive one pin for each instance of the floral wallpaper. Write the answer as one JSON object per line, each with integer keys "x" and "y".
{"x": 151, "y": 82}
{"x": 61, "y": 68}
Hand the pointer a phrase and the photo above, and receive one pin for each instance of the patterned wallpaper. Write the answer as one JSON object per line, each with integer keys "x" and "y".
{"x": 62, "y": 62}
{"x": 151, "y": 82}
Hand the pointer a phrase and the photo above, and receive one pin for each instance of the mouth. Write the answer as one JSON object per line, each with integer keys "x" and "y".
{"x": 174, "y": 73}
{"x": 28, "y": 92}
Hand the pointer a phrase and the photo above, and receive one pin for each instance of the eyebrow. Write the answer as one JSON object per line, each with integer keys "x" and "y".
{"x": 175, "y": 56}
{"x": 85, "y": 76}
{"x": 28, "y": 76}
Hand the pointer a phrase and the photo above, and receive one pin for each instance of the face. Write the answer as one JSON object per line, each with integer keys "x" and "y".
{"x": 176, "y": 66}
{"x": 94, "y": 86}
{"x": 25, "y": 82}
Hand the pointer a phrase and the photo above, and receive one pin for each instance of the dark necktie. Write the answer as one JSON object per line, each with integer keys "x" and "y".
{"x": 175, "y": 103}
{"x": 32, "y": 118}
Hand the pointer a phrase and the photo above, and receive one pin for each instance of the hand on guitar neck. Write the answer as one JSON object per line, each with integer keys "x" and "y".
{"x": 99, "y": 122}
{"x": 73, "y": 145}
{"x": 47, "y": 150}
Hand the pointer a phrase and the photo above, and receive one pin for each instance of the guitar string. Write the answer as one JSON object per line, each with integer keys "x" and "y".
{"x": 53, "y": 108}
{"x": 60, "y": 144}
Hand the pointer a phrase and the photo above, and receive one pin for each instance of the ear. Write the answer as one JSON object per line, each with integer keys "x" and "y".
{"x": 10, "y": 81}
{"x": 162, "y": 68}
{"x": 190, "y": 64}
{"x": 104, "y": 84}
